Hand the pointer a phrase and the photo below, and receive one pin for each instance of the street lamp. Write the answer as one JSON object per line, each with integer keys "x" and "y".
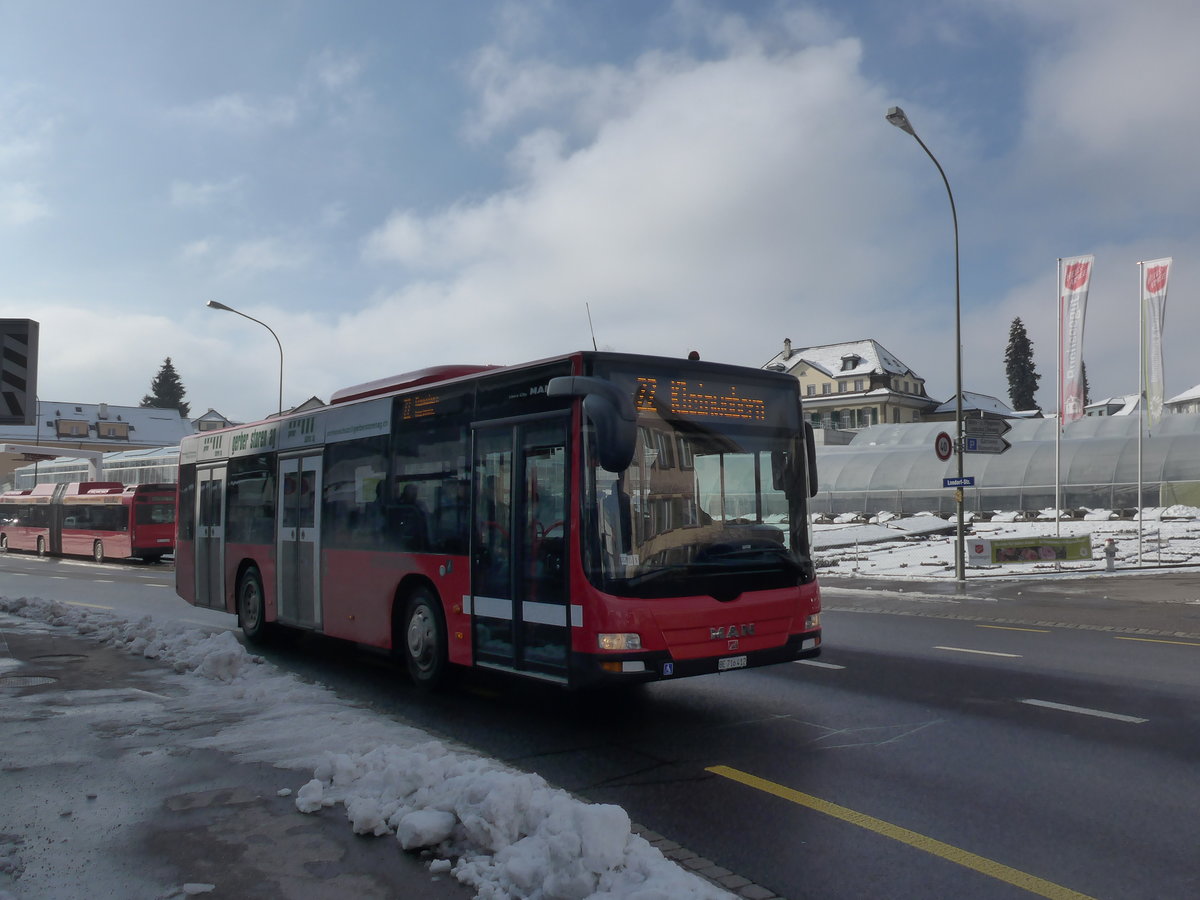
{"x": 213, "y": 304}
{"x": 896, "y": 116}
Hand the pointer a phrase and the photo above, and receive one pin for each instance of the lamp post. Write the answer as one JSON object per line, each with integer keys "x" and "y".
{"x": 213, "y": 304}
{"x": 896, "y": 116}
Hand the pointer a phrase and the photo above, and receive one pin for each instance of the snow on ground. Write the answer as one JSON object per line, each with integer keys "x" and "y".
{"x": 503, "y": 832}
{"x": 1168, "y": 537}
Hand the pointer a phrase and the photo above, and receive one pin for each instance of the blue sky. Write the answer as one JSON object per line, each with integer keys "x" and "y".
{"x": 392, "y": 185}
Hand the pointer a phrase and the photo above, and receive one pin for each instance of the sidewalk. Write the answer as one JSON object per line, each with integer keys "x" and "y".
{"x": 104, "y": 797}
{"x": 1133, "y": 601}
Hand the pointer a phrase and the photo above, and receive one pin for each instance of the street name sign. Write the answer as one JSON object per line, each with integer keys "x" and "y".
{"x": 985, "y": 443}
{"x": 965, "y": 481}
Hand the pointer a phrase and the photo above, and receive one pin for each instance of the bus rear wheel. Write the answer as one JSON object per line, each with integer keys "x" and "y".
{"x": 3, "y": 543}
{"x": 252, "y": 607}
{"x": 423, "y": 640}
{"x": 41, "y": 546}
{"x": 98, "y": 551}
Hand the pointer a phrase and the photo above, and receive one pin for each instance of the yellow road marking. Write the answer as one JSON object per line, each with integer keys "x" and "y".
{"x": 953, "y": 854}
{"x": 1159, "y": 641}
{"x": 88, "y": 605}
{"x": 1010, "y": 628}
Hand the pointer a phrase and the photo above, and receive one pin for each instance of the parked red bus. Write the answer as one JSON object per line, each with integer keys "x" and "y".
{"x": 100, "y": 519}
{"x": 591, "y": 518}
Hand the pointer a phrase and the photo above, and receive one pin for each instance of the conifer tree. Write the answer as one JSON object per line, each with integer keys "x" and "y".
{"x": 1018, "y": 366}
{"x": 166, "y": 390}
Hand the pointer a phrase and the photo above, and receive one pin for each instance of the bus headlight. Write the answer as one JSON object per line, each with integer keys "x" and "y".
{"x": 620, "y": 641}
{"x": 812, "y": 622}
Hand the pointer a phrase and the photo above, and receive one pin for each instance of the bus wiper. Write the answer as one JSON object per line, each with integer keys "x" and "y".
{"x": 655, "y": 574}
{"x": 720, "y": 553}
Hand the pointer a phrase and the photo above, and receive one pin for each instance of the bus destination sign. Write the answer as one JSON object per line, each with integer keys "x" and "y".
{"x": 697, "y": 399}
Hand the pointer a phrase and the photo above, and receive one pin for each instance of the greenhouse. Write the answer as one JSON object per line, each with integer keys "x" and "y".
{"x": 894, "y": 468}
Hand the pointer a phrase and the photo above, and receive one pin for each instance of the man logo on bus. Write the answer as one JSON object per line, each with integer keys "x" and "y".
{"x": 733, "y": 631}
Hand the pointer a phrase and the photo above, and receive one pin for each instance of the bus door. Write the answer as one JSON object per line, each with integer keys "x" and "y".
{"x": 210, "y": 537}
{"x": 521, "y": 616}
{"x": 56, "y": 515}
{"x": 299, "y": 557}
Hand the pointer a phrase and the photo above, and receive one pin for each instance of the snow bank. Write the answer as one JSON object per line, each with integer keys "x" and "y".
{"x": 505, "y": 833}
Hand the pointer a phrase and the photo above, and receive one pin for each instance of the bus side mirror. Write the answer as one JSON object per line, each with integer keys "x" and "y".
{"x": 610, "y": 410}
{"x": 791, "y": 476}
{"x": 810, "y": 449}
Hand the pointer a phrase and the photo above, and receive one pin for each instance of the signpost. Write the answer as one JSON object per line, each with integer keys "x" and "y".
{"x": 986, "y": 426}
{"x": 985, "y": 443}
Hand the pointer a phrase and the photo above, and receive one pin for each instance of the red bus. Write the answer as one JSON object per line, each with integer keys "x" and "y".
{"x": 100, "y": 519}
{"x": 591, "y": 518}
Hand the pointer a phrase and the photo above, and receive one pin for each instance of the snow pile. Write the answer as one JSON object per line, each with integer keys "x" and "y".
{"x": 1159, "y": 537}
{"x": 503, "y": 832}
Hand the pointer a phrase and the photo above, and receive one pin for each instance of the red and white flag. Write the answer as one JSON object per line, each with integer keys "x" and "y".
{"x": 1154, "y": 310}
{"x": 1075, "y": 274}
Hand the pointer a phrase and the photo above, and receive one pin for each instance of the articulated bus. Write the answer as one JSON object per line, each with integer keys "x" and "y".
{"x": 100, "y": 519}
{"x": 590, "y": 519}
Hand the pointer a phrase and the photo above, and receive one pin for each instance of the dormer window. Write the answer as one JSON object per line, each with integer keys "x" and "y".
{"x": 113, "y": 430}
{"x": 71, "y": 428}
{"x": 850, "y": 361}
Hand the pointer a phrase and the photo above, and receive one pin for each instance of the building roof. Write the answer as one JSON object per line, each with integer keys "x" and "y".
{"x": 148, "y": 426}
{"x": 1190, "y": 394}
{"x": 976, "y": 403}
{"x": 871, "y": 357}
{"x": 213, "y": 416}
{"x": 1125, "y": 406}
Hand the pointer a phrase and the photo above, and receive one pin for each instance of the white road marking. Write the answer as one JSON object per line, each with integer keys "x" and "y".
{"x": 980, "y": 652}
{"x": 1084, "y": 711}
{"x": 818, "y": 664}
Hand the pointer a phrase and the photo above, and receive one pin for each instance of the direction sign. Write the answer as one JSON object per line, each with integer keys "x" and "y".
{"x": 985, "y": 443}
{"x": 986, "y": 426}
{"x": 965, "y": 481}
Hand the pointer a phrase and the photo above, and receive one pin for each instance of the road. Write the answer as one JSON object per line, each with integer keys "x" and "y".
{"x": 963, "y": 748}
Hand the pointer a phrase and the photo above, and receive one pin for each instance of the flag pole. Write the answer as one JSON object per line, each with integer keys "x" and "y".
{"x": 1058, "y": 431}
{"x": 1141, "y": 399}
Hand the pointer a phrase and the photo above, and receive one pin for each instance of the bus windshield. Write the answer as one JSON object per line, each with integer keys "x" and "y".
{"x": 705, "y": 507}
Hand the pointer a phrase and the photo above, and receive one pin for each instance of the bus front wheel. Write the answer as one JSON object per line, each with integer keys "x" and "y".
{"x": 98, "y": 551}
{"x": 3, "y": 543}
{"x": 41, "y": 546}
{"x": 423, "y": 640}
{"x": 252, "y": 607}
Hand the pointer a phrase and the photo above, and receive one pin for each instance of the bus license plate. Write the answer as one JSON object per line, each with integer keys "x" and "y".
{"x": 726, "y": 663}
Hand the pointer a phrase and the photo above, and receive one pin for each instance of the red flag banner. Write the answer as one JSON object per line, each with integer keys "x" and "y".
{"x": 1075, "y": 275}
{"x": 1154, "y": 309}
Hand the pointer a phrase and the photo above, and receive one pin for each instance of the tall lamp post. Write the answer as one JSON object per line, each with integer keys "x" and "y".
{"x": 896, "y": 116}
{"x": 213, "y": 304}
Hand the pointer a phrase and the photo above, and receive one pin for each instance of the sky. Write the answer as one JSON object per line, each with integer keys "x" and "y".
{"x": 393, "y": 185}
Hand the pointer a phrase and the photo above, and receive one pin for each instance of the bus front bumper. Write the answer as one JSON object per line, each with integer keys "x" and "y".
{"x": 590, "y": 669}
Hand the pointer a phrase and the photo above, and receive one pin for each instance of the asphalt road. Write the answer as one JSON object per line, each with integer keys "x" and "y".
{"x": 1018, "y": 737}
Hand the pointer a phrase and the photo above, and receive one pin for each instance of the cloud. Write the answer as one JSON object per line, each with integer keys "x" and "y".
{"x": 266, "y": 254}
{"x": 688, "y": 218}
{"x": 1109, "y": 104}
{"x": 237, "y": 112}
{"x": 262, "y": 255}
{"x": 197, "y": 195}
{"x": 336, "y": 72}
{"x": 22, "y": 203}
